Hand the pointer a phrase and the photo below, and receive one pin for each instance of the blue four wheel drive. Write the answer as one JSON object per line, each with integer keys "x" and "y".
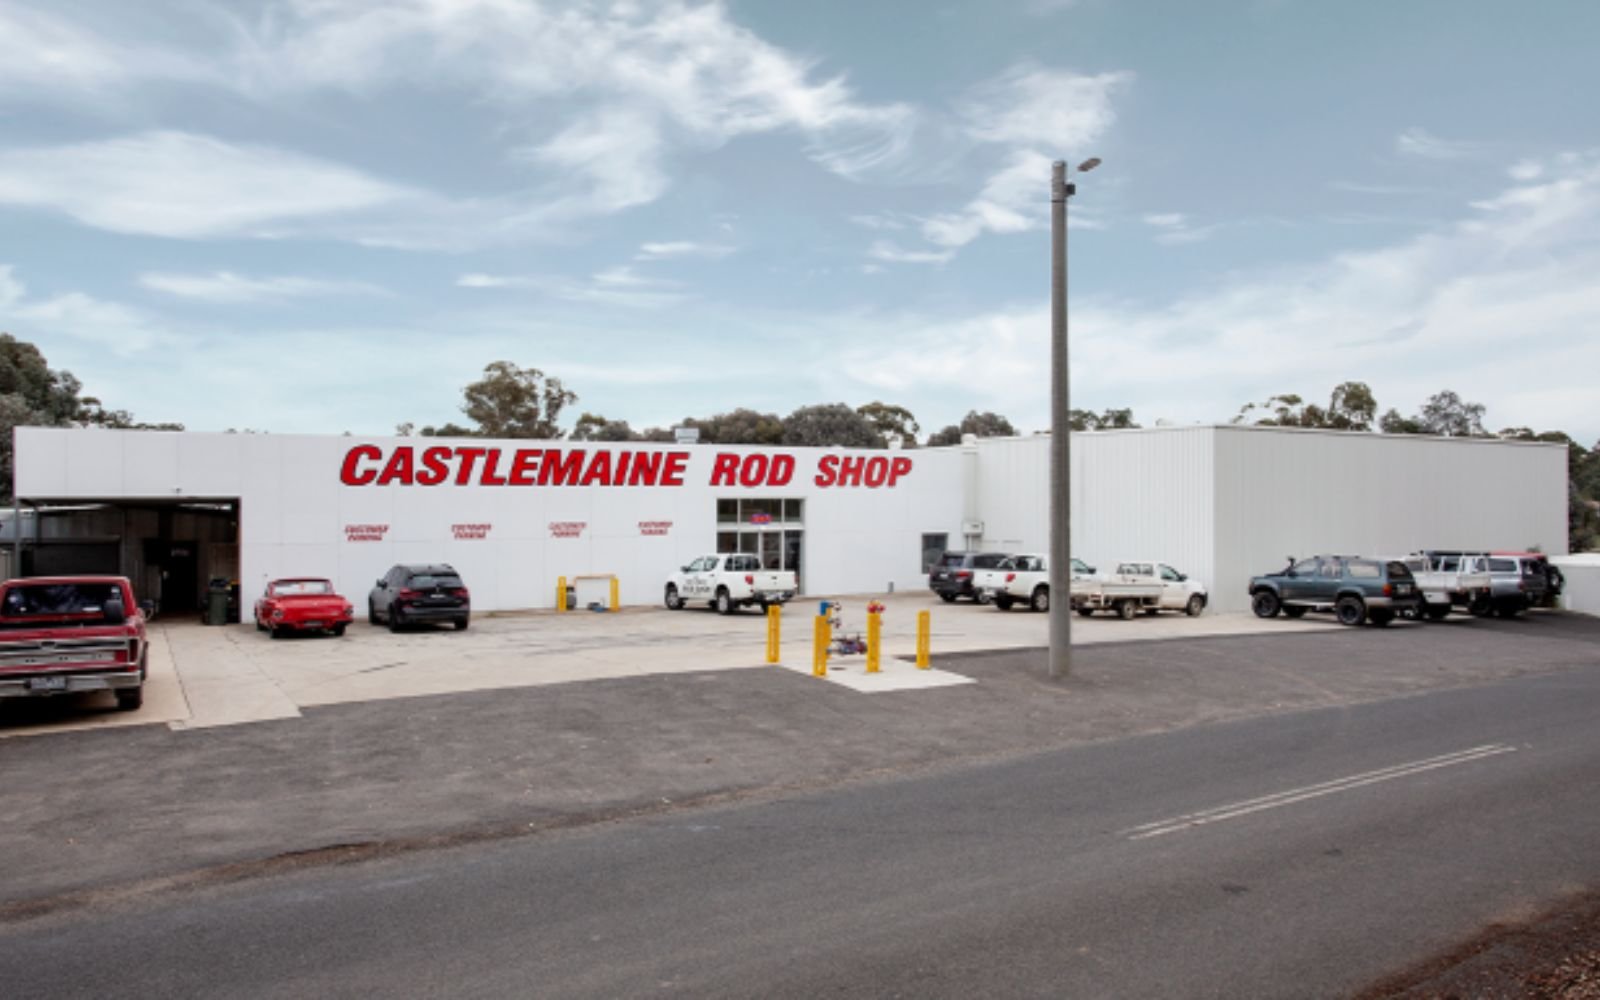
{"x": 1354, "y": 588}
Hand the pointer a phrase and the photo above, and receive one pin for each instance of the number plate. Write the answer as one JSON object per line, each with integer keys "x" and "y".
{"x": 47, "y": 683}
{"x": 313, "y": 624}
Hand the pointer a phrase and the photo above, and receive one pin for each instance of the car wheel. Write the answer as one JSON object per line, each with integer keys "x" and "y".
{"x": 396, "y": 623}
{"x": 337, "y": 630}
{"x": 1126, "y": 610}
{"x": 1350, "y": 611}
{"x": 462, "y": 623}
{"x": 981, "y": 598}
{"x": 260, "y": 627}
{"x": 275, "y": 632}
{"x": 372, "y": 612}
{"x": 130, "y": 699}
{"x": 1196, "y": 605}
{"x": 1481, "y": 606}
{"x": 1294, "y": 610}
{"x": 947, "y": 598}
{"x": 674, "y": 600}
{"x": 1002, "y": 602}
{"x": 1438, "y": 612}
{"x": 1266, "y": 604}
{"x": 1380, "y": 617}
{"x": 724, "y": 603}
{"x": 1041, "y": 599}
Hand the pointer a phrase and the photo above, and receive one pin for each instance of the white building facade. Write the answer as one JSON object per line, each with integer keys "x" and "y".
{"x": 1219, "y": 503}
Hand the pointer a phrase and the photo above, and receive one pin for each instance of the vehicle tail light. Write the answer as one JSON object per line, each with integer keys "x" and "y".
{"x": 1388, "y": 590}
{"x": 462, "y": 593}
{"x": 750, "y": 579}
{"x": 963, "y": 574}
{"x": 1010, "y": 577}
{"x": 133, "y": 654}
{"x": 410, "y": 595}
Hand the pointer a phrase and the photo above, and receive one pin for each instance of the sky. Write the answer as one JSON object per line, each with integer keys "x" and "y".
{"x": 320, "y": 216}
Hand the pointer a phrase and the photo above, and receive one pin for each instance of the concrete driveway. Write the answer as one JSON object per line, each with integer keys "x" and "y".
{"x": 202, "y": 677}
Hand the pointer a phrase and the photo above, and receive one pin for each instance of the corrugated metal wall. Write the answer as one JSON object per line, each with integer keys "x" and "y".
{"x": 1283, "y": 492}
{"x": 1225, "y": 503}
{"x": 1142, "y": 494}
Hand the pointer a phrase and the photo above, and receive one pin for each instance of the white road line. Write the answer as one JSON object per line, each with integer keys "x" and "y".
{"x": 1293, "y": 795}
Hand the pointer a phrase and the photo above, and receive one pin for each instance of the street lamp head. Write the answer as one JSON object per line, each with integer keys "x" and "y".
{"x": 1089, "y": 164}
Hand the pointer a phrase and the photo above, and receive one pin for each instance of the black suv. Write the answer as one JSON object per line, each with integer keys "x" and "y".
{"x": 951, "y": 576}
{"x": 421, "y": 593}
{"x": 1356, "y": 590}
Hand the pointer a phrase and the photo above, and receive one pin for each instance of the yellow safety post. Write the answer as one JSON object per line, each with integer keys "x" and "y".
{"x": 774, "y": 631}
{"x": 924, "y": 634}
{"x": 874, "y": 640}
{"x": 615, "y": 599}
{"x": 561, "y": 593}
{"x": 820, "y": 638}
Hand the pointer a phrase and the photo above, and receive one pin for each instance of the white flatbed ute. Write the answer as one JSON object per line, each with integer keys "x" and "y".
{"x": 1139, "y": 585}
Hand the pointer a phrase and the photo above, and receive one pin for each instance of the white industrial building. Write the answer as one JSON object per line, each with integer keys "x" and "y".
{"x": 175, "y": 510}
{"x": 1582, "y": 589}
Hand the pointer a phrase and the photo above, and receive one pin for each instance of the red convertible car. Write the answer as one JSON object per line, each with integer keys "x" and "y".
{"x": 302, "y": 605}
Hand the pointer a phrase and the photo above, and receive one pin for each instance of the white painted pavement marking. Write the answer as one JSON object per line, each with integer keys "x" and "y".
{"x": 1293, "y": 795}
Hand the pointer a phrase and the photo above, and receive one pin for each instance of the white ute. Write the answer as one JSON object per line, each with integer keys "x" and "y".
{"x": 1024, "y": 579}
{"x": 729, "y": 582}
{"x": 1139, "y": 586}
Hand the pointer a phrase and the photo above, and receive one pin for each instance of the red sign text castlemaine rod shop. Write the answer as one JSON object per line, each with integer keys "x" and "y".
{"x": 464, "y": 465}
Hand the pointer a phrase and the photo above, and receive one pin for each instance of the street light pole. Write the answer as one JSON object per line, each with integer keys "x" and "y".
{"x": 1060, "y": 428}
{"x": 1060, "y": 434}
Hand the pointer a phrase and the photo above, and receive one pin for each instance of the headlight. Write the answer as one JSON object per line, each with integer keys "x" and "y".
{"x": 277, "y": 613}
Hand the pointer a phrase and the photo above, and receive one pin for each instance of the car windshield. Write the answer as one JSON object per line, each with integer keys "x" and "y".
{"x": 953, "y": 559}
{"x": 301, "y": 588}
{"x": 58, "y": 599}
{"x": 427, "y": 581}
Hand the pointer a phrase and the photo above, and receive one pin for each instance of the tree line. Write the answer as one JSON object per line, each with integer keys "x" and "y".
{"x": 509, "y": 401}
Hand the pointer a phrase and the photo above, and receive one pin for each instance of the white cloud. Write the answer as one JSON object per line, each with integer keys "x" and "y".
{"x": 47, "y": 58}
{"x": 1526, "y": 170}
{"x": 1013, "y": 200}
{"x": 1420, "y": 143}
{"x": 614, "y": 287}
{"x": 682, "y": 248}
{"x": 1056, "y": 109}
{"x": 1164, "y": 220}
{"x": 1500, "y": 301}
{"x": 228, "y": 287}
{"x": 182, "y": 185}
{"x": 73, "y": 317}
{"x": 616, "y": 152}
{"x": 887, "y": 251}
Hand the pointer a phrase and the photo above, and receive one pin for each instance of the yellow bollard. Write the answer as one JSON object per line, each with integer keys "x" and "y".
{"x": 874, "y": 640}
{"x": 615, "y": 601}
{"x": 924, "y": 637}
{"x": 774, "y": 631}
{"x": 561, "y": 593}
{"x": 820, "y": 638}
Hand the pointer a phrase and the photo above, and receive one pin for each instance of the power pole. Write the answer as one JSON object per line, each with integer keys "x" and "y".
{"x": 1060, "y": 434}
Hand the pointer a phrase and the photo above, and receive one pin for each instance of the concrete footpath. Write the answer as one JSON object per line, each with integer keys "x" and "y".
{"x": 93, "y": 815}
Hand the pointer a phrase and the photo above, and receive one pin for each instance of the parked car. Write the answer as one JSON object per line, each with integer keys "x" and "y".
{"x": 1449, "y": 580}
{"x": 729, "y": 582}
{"x": 1518, "y": 581}
{"x": 1025, "y": 579}
{"x": 414, "y": 594}
{"x": 72, "y": 635}
{"x": 953, "y": 575}
{"x": 1139, "y": 585}
{"x": 302, "y": 604}
{"x": 1354, "y": 588}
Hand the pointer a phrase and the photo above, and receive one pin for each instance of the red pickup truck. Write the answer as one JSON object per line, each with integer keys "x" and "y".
{"x": 71, "y": 635}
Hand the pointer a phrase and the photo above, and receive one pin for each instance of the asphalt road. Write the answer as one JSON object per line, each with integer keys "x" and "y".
{"x": 1297, "y": 855}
